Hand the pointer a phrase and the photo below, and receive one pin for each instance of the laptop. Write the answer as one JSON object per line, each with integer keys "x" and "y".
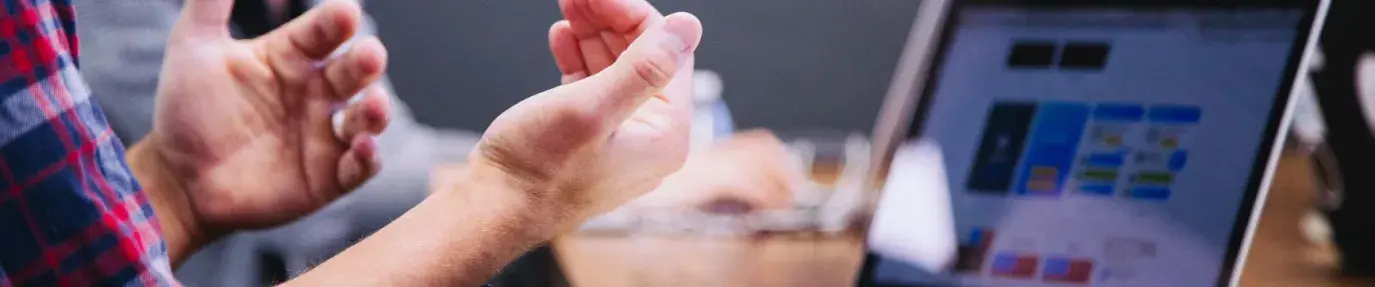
{"x": 1095, "y": 142}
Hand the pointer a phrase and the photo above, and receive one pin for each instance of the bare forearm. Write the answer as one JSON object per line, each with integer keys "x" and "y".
{"x": 456, "y": 237}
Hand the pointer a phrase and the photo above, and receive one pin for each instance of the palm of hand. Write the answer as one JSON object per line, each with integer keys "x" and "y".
{"x": 247, "y": 122}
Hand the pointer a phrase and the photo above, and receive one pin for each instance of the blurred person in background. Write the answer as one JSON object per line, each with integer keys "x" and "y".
{"x": 745, "y": 173}
{"x": 1342, "y": 81}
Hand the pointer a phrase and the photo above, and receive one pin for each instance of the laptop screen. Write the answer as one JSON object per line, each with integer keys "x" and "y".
{"x": 1103, "y": 146}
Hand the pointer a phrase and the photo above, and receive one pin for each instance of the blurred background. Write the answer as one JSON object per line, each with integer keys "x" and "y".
{"x": 785, "y": 64}
{"x": 793, "y": 67}
{"x": 800, "y": 79}
{"x": 807, "y": 65}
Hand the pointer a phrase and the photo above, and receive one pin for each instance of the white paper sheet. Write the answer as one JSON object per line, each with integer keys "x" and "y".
{"x": 913, "y": 222}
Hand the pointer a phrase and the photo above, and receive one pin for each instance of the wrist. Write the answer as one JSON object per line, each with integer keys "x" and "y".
{"x": 474, "y": 221}
{"x": 524, "y": 204}
{"x": 181, "y": 229}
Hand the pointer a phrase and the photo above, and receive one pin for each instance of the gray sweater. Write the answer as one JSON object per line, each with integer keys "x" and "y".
{"x": 122, "y": 43}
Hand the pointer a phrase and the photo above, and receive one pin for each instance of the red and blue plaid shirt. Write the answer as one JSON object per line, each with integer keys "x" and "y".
{"x": 71, "y": 212}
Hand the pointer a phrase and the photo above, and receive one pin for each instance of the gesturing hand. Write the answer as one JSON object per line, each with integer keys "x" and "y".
{"x": 611, "y": 132}
{"x": 243, "y": 127}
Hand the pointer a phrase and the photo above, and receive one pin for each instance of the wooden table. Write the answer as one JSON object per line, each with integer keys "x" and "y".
{"x": 1280, "y": 256}
{"x": 704, "y": 261}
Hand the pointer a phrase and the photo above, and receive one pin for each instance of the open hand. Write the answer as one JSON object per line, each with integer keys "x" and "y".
{"x": 244, "y": 126}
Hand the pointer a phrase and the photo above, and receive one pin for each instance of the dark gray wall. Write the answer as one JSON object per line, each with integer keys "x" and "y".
{"x": 787, "y": 64}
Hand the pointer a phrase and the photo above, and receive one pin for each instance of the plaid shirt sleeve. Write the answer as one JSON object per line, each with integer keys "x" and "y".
{"x": 71, "y": 212}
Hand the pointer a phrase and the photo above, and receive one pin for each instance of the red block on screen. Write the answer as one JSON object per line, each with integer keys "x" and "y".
{"x": 1012, "y": 265}
{"x": 1067, "y": 270}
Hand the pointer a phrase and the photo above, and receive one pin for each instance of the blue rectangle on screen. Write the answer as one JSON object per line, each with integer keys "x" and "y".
{"x": 1005, "y": 262}
{"x": 1114, "y": 159}
{"x": 1175, "y": 114}
{"x": 1096, "y": 189}
{"x": 1150, "y": 193}
{"x": 1056, "y": 266}
{"x": 1177, "y": 160}
{"x": 1118, "y": 112}
{"x": 1052, "y": 148}
{"x": 976, "y": 237}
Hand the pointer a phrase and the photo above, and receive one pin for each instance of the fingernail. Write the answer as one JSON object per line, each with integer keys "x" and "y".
{"x": 337, "y": 124}
{"x": 684, "y": 31}
{"x": 368, "y": 150}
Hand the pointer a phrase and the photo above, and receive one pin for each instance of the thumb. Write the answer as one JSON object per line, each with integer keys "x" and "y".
{"x": 203, "y": 18}
{"x": 643, "y": 70}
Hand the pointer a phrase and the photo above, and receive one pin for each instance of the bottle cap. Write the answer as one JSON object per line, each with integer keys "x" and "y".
{"x": 706, "y": 86}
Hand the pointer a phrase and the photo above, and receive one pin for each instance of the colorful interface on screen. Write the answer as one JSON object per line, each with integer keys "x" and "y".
{"x": 1101, "y": 147}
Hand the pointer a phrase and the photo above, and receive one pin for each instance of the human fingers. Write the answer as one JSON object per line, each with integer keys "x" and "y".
{"x": 620, "y": 16}
{"x": 315, "y": 34}
{"x": 358, "y": 68}
{"x": 370, "y": 114}
{"x": 604, "y": 29}
{"x": 359, "y": 163}
{"x": 648, "y": 65}
{"x": 563, "y": 44}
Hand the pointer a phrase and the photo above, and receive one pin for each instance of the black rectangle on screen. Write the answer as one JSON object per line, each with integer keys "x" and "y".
{"x": 1031, "y": 54}
{"x": 1001, "y": 148}
{"x": 1084, "y": 55}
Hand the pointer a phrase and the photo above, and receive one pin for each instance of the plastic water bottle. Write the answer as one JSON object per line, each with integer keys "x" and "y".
{"x": 711, "y": 118}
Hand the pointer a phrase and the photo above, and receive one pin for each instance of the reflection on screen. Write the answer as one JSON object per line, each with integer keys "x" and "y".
{"x": 1104, "y": 148}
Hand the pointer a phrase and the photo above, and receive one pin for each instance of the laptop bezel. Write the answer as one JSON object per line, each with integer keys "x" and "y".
{"x": 924, "y": 52}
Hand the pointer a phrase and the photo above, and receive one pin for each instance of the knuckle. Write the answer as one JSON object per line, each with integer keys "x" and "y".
{"x": 656, "y": 70}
